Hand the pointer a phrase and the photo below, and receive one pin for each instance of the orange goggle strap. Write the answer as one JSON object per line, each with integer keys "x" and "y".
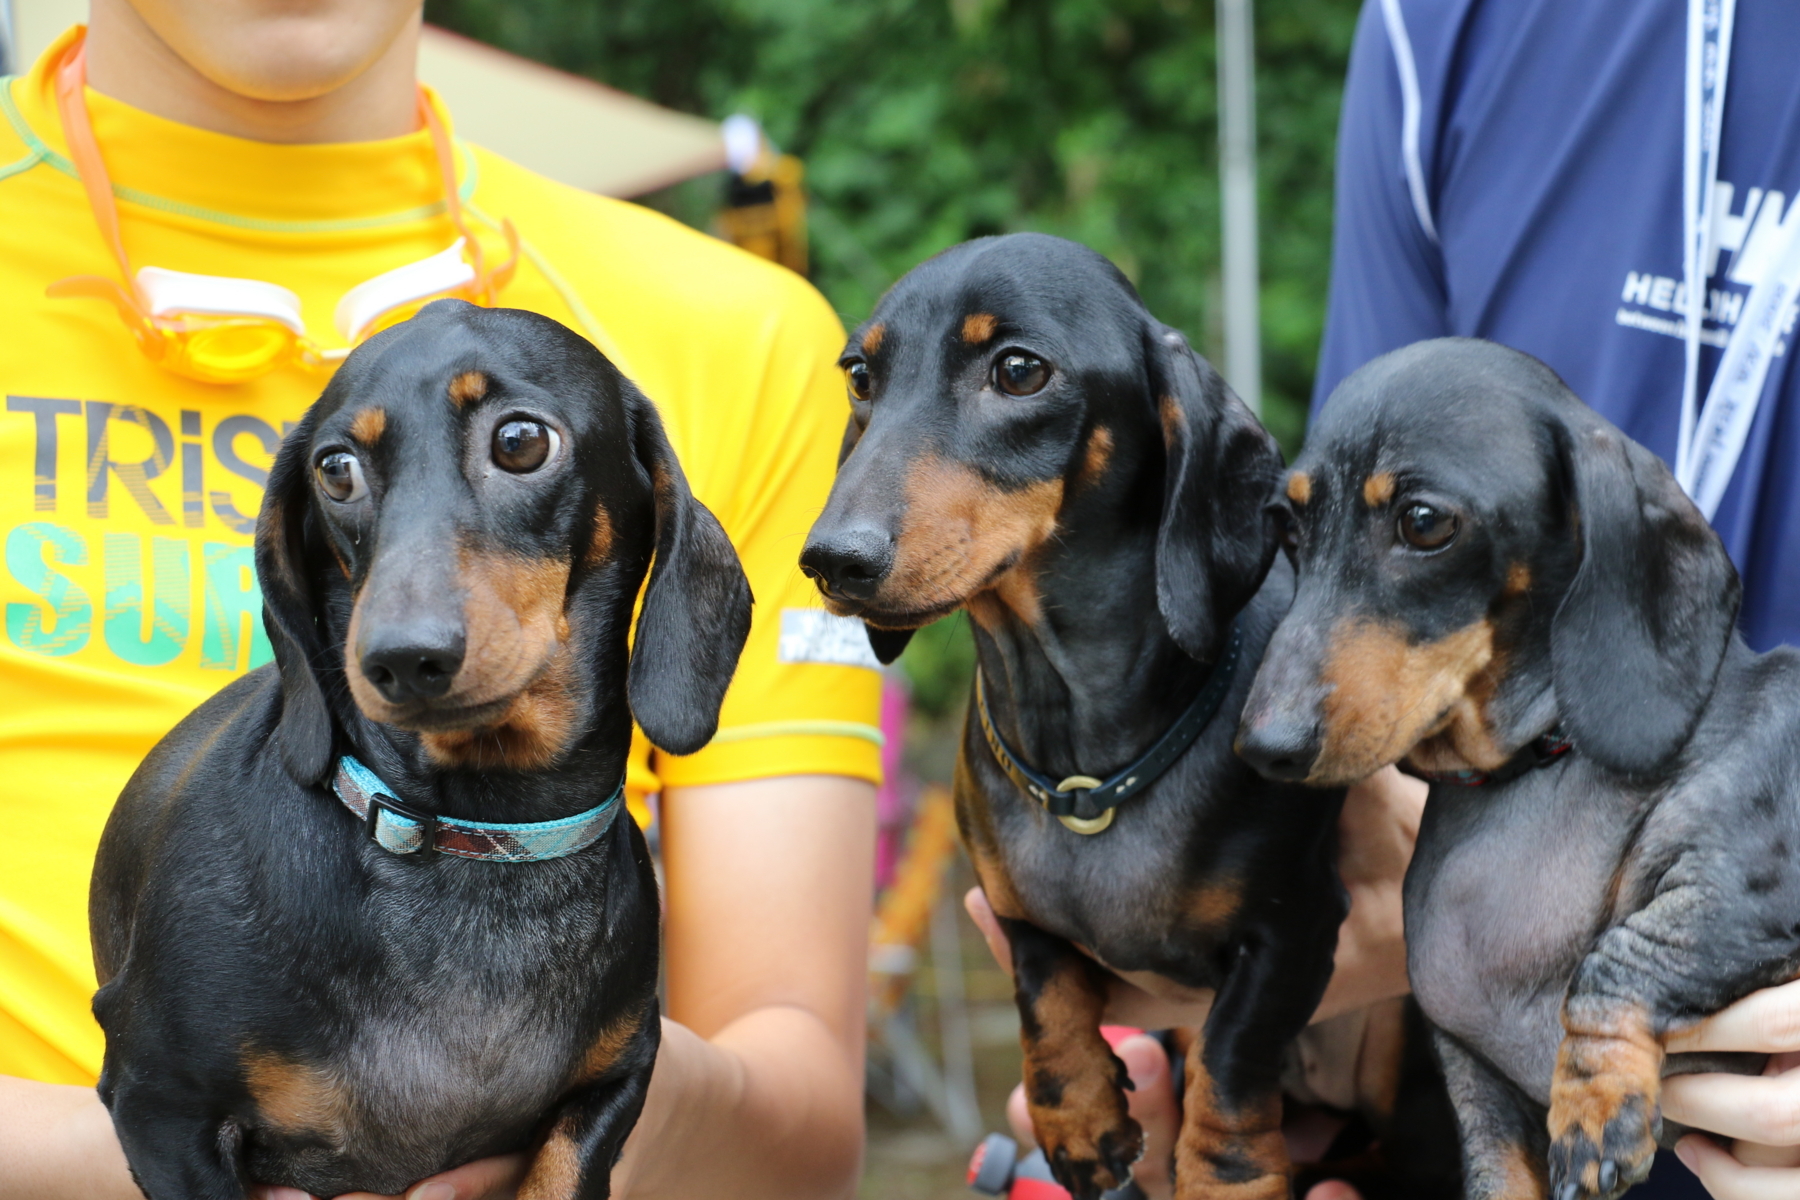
{"x": 485, "y": 286}
{"x": 90, "y": 167}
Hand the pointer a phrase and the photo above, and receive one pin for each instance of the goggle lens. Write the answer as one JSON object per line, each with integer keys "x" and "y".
{"x": 229, "y": 349}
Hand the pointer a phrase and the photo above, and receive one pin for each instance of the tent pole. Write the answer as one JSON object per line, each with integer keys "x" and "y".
{"x": 1237, "y": 183}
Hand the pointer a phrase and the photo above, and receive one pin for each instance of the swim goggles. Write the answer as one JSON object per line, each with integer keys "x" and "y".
{"x": 219, "y": 329}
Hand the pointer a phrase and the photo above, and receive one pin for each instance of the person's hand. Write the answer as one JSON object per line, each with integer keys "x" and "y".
{"x": 1376, "y": 833}
{"x": 494, "y": 1178}
{"x": 1759, "y": 1115}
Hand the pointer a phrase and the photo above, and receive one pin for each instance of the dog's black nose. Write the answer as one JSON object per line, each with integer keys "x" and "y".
{"x": 1280, "y": 748}
{"x": 850, "y": 564}
{"x": 413, "y": 663}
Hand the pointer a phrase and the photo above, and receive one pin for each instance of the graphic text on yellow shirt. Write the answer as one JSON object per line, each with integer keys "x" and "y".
{"x": 95, "y": 575}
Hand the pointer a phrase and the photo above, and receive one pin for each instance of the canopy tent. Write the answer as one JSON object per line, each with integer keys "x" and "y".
{"x": 561, "y": 125}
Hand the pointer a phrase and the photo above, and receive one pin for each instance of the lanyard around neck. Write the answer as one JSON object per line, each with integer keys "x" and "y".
{"x": 1712, "y": 438}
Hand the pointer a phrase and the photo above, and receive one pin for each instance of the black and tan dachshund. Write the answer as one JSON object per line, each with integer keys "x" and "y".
{"x": 1028, "y": 443}
{"x": 372, "y": 911}
{"x": 1501, "y": 588}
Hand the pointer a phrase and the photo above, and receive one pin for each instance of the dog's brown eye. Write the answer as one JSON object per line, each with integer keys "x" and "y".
{"x": 341, "y": 477}
{"x": 856, "y": 375}
{"x": 521, "y": 446}
{"x": 1021, "y": 374}
{"x": 1427, "y": 528}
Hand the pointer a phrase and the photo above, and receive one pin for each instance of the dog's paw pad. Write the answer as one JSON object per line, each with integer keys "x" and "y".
{"x": 1085, "y": 1161}
{"x": 1598, "y": 1159}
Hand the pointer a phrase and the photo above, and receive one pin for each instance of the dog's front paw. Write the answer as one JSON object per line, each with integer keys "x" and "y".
{"x": 1086, "y": 1132}
{"x": 1603, "y": 1123}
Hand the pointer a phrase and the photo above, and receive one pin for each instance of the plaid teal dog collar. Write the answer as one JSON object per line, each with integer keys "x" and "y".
{"x": 399, "y": 829}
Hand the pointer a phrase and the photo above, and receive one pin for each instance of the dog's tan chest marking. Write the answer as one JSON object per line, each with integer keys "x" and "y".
{"x": 600, "y": 1056}
{"x": 297, "y": 1098}
{"x": 1211, "y": 906}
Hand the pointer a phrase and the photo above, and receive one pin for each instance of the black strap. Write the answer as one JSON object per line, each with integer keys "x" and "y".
{"x": 1540, "y": 753}
{"x": 1090, "y": 803}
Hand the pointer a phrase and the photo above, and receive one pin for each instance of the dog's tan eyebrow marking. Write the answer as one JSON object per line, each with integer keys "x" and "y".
{"x": 1299, "y": 487}
{"x": 1378, "y": 489}
{"x": 367, "y": 425}
{"x": 978, "y": 328}
{"x": 1518, "y": 579}
{"x": 871, "y": 338}
{"x": 470, "y": 385}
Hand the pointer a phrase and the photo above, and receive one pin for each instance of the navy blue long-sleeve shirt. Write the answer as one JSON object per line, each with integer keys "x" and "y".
{"x": 1540, "y": 205}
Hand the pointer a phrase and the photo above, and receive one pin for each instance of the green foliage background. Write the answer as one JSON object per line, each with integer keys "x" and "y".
{"x": 927, "y": 122}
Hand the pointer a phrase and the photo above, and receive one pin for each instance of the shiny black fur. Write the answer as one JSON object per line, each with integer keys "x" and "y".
{"x": 1646, "y": 876}
{"x": 1213, "y": 878}
{"x": 427, "y": 1010}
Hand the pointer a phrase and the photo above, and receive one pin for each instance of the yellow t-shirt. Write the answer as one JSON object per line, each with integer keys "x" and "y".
{"x": 128, "y": 495}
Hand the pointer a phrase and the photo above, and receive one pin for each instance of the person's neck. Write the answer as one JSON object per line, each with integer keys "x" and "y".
{"x": 127, "y": 61}
{"x": 1093, "y": 679}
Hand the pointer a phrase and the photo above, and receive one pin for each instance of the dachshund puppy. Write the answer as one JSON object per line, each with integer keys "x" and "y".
{"x": 1501, "y": 589}
{"x": 372, "y": 911}
{"x": 1028, "y": 443}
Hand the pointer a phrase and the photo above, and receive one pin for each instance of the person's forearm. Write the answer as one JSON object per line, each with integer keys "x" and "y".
{"x": 58, "y": 1142}
{"x": 769, "y": 1107}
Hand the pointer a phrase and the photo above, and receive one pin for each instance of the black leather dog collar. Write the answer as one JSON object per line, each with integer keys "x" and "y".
{"x": 1086, "y": 804}
{"x": 1540, "y": 753}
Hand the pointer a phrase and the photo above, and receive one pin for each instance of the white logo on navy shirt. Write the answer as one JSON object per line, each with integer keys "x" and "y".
{"x": 1752, "y": 237}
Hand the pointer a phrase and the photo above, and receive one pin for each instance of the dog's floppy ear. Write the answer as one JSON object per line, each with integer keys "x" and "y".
{"x": 696, "y": 610}
{"x": 1638, "y": 639}
{"x": 291, "y": 611}
{"x": 1215, "y": 543}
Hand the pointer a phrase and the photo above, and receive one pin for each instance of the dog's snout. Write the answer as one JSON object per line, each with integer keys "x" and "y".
{"x": 851, "y": 564}
{"x": 414, "y": 663}
{"x": 1280, "y": 747}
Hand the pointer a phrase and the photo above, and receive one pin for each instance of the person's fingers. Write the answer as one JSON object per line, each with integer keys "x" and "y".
{"x": 495, "y": 1178}
{"x": 1766, "y": 1021}
{"x": 1332, "y": 1189}
{"x": 1379, "y": 826}
{"x": 1153, "y": 1105}
{"x": 1728, "y": 1179}
{"x": 1763, "y": 1109}
{"x": 982, "y": 913}
{"x": 1018, "y": 1115}
{"x": 261, "y": 1192}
